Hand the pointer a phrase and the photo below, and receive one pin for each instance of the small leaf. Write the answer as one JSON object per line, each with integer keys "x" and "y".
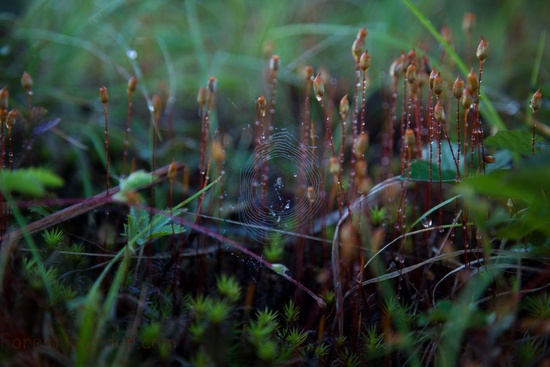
{"x": 128, "y": 186}
{"x": 29, "y": 181}
{"x": 279, "y": 269}
{"x": 136, "y": 181}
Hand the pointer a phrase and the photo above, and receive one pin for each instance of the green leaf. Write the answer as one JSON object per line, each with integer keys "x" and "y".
{"x": 516, "y": 141}
{"x": 519, "y": 198}
{"x": 420, "y": 171}
{"x": 141, "y": 228}
{"x": 29, "y": 181}
{"x": 529, "y": 184}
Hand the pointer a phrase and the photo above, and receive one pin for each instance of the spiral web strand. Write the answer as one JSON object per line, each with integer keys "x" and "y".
{"x": 277, "y": 202}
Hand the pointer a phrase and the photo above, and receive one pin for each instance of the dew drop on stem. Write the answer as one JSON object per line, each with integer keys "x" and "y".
{"x": 426, "y": 222}
{"x": 131, "y": 54}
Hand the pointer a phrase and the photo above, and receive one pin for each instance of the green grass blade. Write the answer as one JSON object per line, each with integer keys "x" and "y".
{"x": 440, "y": 205}
{"x": 538, "y": 59}
{"x": 28, "y": 240}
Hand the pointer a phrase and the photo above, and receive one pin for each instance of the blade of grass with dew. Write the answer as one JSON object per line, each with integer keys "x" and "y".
{"x": 410, "y": 268}
{"x": 538, "y": 59}
{"x": 487, "y": 107}
{"x": 440, "y": 205}
{"x": 197, "y": 194}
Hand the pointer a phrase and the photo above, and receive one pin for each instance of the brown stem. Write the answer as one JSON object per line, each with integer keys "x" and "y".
{"x": 84, "y": 206}
{"x": 534, "y": 129}
{"x": 127, "y": 136}
{"x": 106, "y": 116}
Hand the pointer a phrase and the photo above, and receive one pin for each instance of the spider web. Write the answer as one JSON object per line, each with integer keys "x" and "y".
{"x": 274, "y": 184}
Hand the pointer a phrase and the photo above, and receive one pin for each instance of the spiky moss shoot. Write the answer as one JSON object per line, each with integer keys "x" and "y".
{"x": 197, "y": 331}
{"x": 291, "y": 312}
{"x": 152, "y": 338}
{"x": 274, "y": 251}
{"x": 378, "y": 215}
{"x": 53, "y": 238}
{"x": 374, "y": 342}
{"x": 538, "y": 306}
{"x": 218, "y": 311}
{"x": 329, "y": 298}
{"x": 199, "y": 306}
{"x": 340, "y": 341}
{"x": 296, "y": 338}
{"x": 264, "y": 326}
{"x": 261, "y": 335}
{"x": 349, "y": 359}
{"x": 229, "y": 288}
{"x": 201, "y": 359}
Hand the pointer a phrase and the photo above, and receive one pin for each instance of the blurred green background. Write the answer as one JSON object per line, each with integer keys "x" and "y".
{"x": 73, "y": 46}
{"x": 70, "y": 48}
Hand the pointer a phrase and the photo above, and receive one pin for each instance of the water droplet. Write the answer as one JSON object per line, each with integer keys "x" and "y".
{"x": 132, "y": 54}
{"x": 426, "y": 222}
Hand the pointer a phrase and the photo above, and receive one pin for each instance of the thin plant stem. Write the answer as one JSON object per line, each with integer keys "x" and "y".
{"x": 131, "y": 87}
